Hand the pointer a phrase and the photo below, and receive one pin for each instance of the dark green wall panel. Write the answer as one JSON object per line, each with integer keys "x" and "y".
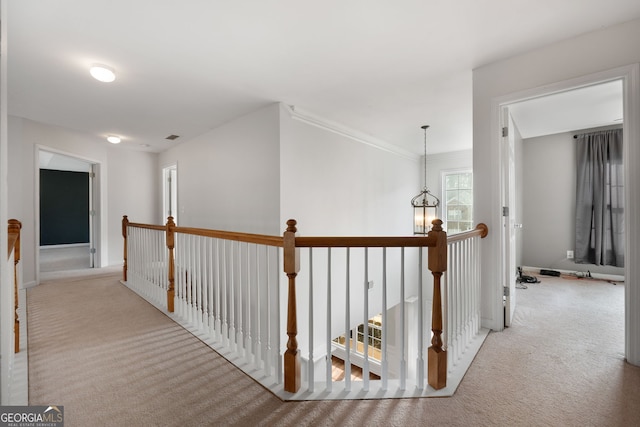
{"x": 64, "y": 207}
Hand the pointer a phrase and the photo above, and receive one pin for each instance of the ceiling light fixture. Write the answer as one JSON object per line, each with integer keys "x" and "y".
{"x": 424, "y": 210}
{"x": 114, "y": 139}
{"x": 102, "y": 73}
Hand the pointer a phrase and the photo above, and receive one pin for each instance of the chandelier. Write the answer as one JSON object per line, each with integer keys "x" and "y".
{"x": 425, "y": 205}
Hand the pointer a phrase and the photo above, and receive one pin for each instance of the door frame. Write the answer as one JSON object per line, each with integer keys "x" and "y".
{"x": 96, "y": 190}
{"x": 508, "y": 233}
{"x": 630, "y": 77}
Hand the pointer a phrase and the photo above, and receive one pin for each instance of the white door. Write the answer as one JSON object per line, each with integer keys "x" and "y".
{"x": 509, "y": 216}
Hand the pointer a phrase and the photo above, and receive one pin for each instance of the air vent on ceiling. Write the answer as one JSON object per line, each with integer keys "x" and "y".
{"x": 172, "y": 137}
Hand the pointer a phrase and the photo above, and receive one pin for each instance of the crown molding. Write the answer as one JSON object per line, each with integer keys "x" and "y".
{"x": 301, "y": 115}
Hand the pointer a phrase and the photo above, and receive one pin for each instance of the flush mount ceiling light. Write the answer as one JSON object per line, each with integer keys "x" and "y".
{"x": 114, "y": 139}
{"x": 102, "y": 73}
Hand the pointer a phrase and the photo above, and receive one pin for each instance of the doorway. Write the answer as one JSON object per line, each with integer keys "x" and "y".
{"x": 612, "y": 85}
{"x": 67, "y": 220}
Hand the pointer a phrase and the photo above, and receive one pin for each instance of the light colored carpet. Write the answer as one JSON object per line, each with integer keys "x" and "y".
{"x": 112, "y": 359}
{"x": 61, "y": 258}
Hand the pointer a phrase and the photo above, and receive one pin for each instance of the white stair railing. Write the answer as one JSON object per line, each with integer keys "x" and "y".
{"x": 462, "y": 296}
{"x": 228, "y": 289}
{"x": 147, "y": 262}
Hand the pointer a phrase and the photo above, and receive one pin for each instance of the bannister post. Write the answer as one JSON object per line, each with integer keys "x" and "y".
{"x": 171, "y": 245}
{"x": 291, "y": 268}
{"x": 14, "y": 227}
{"x": 437, "y": 356}
{"x": 125, "y": 223}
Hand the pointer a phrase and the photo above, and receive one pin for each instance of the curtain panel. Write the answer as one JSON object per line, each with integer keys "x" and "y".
{"x": 600, "y": 199}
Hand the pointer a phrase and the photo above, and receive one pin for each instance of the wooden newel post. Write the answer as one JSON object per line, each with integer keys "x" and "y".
{"x": 171, "y": 245}
{"x": 125, "y": 223}
{"x": 291, "y": 268}
{"x": 437, "y": 356}
{"x": 14, "y": 228}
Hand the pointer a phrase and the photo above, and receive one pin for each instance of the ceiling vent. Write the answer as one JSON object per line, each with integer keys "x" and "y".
{"x": 172, "y": 137}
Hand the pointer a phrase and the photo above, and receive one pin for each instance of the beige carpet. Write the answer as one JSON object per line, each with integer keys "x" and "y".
{"x": 55, "y": 258}
{"x": 113, "y": 360}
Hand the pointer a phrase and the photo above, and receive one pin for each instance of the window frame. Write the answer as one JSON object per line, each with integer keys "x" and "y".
{"x": 443, "y": 183}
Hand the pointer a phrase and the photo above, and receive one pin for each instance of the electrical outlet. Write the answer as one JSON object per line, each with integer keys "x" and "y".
{"x": 569, "y": 254}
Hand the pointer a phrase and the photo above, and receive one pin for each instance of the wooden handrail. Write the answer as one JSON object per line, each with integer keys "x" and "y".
{"x": 14, "y": 245}
{"x": 481, "y": 230}
{"x": 363, "y": 242}
{"x": 261, "y": 239}
{"x": 147, "y": 226}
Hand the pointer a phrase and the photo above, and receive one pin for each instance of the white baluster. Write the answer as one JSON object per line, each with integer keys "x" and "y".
{"x": 385, "y": 362}
{"x": 311, "y": 371}
{"x": 248, "y": 299}
{"x": 225, "y": 293}
{"x": 365, "y": 337}
{"x": 347, "y": 328}
{"x": 329, "y": 362}
{"x": 420, "y": 356}
{"x": 277, "y": 336}
{"x": 403, "y": 345}
{"x": 218, "y": 296}
{"x": 262, "y": 281}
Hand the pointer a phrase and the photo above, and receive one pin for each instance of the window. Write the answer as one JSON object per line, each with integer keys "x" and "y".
{"x": 458, "y": 201}
{"x": 374, "y": 341}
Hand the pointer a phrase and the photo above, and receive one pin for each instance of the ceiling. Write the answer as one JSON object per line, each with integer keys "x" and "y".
{"x": 578, "y": 109}
{"x": 381, "y": 68}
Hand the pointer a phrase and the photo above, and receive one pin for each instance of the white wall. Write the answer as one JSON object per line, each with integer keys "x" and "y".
{"x": 128, "y": 182}
{"x": 578, "y": 57}
{"x": 334, "y": 185}
{"x": 228, "y": 178}
{"x": 549, "y": 182}
{"x": 549, "y": 200}
{"x": 132, "y": 186}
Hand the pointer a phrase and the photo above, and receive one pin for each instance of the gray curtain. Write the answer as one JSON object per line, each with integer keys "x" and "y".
{"x": 600, "y": 199}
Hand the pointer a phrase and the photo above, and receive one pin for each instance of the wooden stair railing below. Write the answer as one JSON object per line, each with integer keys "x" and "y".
{"x": 14, "y": 245}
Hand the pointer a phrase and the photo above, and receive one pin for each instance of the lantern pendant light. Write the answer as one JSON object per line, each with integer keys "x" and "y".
{"x": 425, "y": 205}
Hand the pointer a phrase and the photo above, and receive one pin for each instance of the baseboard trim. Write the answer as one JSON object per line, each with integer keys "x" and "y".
{"x": 68, "y": 245}
{"x": 613, "y": 277}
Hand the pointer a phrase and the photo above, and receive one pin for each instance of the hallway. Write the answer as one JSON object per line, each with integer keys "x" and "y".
{"x": 110, "y": 358}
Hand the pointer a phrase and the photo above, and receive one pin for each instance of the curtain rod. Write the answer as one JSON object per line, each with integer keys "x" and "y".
{"x": 592, "y": 133}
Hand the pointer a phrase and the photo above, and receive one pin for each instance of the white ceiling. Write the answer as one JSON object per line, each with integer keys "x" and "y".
{"x": 584, "y": 108}
{"x": 382, "y": 68}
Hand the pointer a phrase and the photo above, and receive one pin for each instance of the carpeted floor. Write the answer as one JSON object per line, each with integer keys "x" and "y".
{"x": 56, "y": 258}
{"x": 113, "y": 360}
